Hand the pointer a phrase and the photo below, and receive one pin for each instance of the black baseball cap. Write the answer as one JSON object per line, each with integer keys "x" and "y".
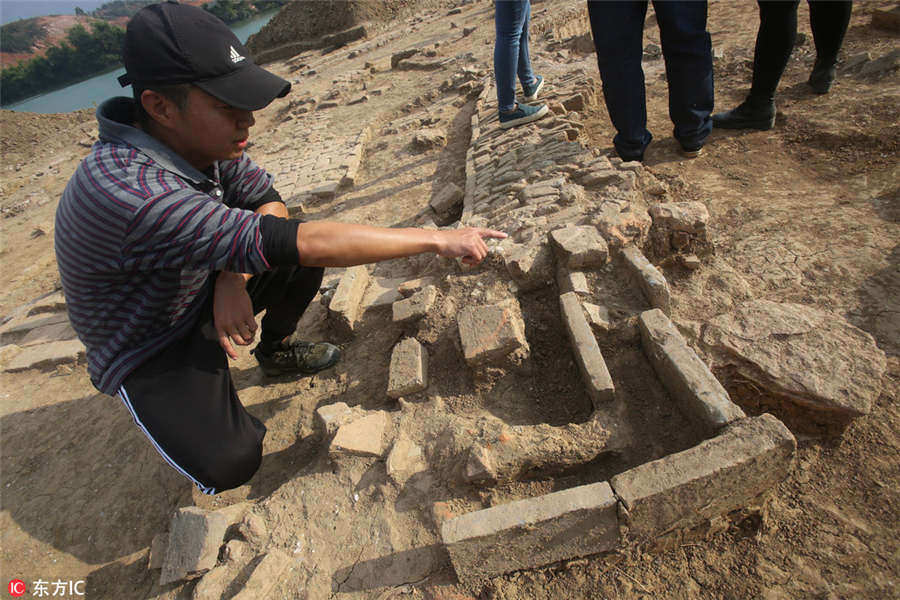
{"x": 172, "y": 43}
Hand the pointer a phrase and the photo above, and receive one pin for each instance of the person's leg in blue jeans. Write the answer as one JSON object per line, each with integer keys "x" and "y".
{"x": 618, "y": 29}
{"x": 511, "y": 55}
{"x": 511, "y": 58}
{"x": 687, "y": 50}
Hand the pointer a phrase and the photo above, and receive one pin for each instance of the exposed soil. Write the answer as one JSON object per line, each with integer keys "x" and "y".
{"x": 808, "y": 212}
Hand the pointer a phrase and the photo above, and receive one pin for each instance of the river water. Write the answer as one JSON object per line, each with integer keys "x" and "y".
{"x": 91, "y": 92}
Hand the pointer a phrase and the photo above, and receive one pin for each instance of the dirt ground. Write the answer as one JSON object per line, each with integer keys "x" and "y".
{"x": 808, "y": 212}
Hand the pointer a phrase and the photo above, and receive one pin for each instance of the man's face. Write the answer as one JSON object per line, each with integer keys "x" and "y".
{"x": 208, "y": 130}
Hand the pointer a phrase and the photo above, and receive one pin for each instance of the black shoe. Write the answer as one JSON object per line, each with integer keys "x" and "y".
{"x": 821, "y": 78}
{"x": 300, "y": 357}
{"x": 692, "y": 152}
{"x": 747, "y": 115}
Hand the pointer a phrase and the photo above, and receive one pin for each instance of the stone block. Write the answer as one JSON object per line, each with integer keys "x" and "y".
{"x": 533, "y": 532}
{"x": 409, "y": 369}
{"x": 402, "y": 55}
{"x": 56, "y": 332}
{"x": 326, "y": 191}
{"x": 16, "y": 329}
{"x": 829, "y": 369}
{"x": 579, "y": 247}
{"x": 195, "y": 536}
{"x": 490, "y": 332}
{"x": 690, "y": 217}
{"x": 362, "y": 437}
{"x": 733, "y": 470}
{"x": 598, "y": 317}
{"x": 648, "y": 277}
{"x": 447, "y": 198}
{"x": 575, "y": 103}
{"x": 572, "y": 281}
{"x": 265, "y": 576}
{"x": 531, "y": 265}
{"x": 429, "y": 139}
{"x": 405, "y": 460}
{"x": 52, "y": 303}
{"x": 332, "y": 416}
{"x": 382, "y": 291}
{"x": 345, "y": 306}
{"x": 46, "y": 356}
{"x": 416, "y": 306}
{"x": 587, "y": 352}
{"x": 684, "y": 374}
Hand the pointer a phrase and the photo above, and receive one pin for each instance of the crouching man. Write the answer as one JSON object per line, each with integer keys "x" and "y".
{"x": 169, "y": 239}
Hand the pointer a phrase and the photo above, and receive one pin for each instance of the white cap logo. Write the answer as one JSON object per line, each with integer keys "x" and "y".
{"x": 235, "y": 57}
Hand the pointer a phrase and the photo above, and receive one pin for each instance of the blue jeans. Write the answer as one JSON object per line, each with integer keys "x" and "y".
{"x": 618, "y": 38}
{"x": 511, "y": 18}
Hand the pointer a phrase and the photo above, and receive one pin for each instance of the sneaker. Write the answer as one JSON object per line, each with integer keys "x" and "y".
{"x": 300, "y": 357}
{"x": 521, "y": 115}
{"x": 821, "y": 78}
{"x": 691, "y": 151}
{"x": 747, "y": 115}
{"x": 532, "y": 91}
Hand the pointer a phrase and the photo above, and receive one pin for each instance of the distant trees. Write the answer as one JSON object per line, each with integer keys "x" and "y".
{"x": 20, "y": 36}
{"x": 81, "y": 54}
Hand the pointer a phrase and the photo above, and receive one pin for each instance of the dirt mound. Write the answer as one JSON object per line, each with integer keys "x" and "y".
{"x": 299, "y": 21}
{"x": 26, "y": 135}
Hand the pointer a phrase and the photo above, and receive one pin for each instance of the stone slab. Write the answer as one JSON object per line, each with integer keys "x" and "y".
{"x": 409, "y": 369}
{"x": 345, "y": 305}
{"x": 579, "y": 247}
{"x": 533, "y": 532}
{"x": 415, "y": 307}
{"x": 17, "y": 329}
{"x": 362, "y": 437}
{"x": 490, "y": 332}
{"x": 815, "y": 359}
{"x": 733, "y": 470}
{"x": 684, "y": 374}
{"x": 650, "y": 280}
{"x": 587, "y": 352}
{"x": 195, "y": 536}
{"x": 46, "y": 356}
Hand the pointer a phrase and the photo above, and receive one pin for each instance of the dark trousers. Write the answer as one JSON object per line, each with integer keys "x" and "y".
{"x": 185, "y": 402}
{"x": 778, "y": 32}
{"x": 617, "y": 28}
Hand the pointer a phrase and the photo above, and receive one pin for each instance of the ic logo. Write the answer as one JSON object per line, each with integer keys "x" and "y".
{"x": 16, "y": 588}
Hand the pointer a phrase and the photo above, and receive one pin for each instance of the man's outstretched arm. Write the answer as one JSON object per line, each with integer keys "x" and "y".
{"x": 331, "y": 244}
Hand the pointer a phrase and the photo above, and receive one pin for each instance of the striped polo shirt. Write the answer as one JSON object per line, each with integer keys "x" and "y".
{"x": 139, "y": 232}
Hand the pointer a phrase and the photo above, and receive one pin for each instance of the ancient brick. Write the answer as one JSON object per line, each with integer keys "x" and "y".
{"x": 579, "y": 247}
{"x": 345, "y": 305}
{"x": 490, "y": 332}
{"x": 195, "y": 536}
{"x": 650, "y": 280}
{"x": 363, "y": 436}
{"x": 533, "y": 532}
{"x": 687, "y": 378}
{"x": 735, "y": 469}
{"x": 416, "y": 306}
{"x": 409, "y": 369}
{"x": 587, "y": 352}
